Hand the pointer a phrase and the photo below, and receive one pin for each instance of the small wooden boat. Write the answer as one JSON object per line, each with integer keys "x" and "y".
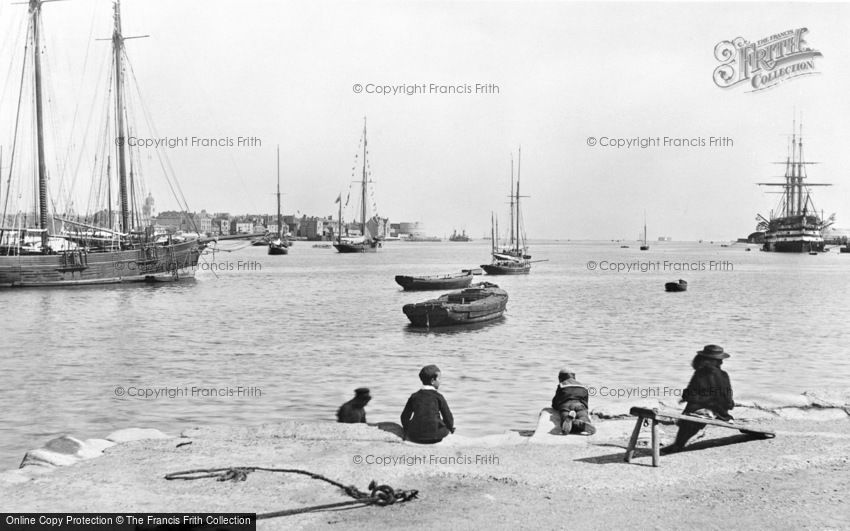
{"x": 452, "y": 281}
{"x": 681, "y": 285}
{"x": 477, "y": 303}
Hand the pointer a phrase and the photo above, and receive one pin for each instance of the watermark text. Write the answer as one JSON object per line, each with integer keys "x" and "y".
{"x": 425, "y": 460}
{"x": 663, "y": 266}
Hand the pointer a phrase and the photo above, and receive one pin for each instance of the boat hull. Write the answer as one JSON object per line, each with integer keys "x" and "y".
{"x": 151, "y": 263}
{"x": 799, "y": 246}
{"x": 431, "y": 283}
{"x": 278, "y": 249}
{"x": 471, "y": 305}
{"x": 794, "y": 234}
{"x": 507, "y": 269}
{"x": 676, "y": 286}
{"x": 358, "y": 247}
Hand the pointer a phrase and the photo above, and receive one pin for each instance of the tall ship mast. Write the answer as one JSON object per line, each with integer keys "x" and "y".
{"x": 513, "y": 260}
{"x": 279, "y": 245}
{"x": 366, "y": 242}
{"x": 92, "y": 251}
{"x": 795, "y": 227}
{"x": 644, "y": 246}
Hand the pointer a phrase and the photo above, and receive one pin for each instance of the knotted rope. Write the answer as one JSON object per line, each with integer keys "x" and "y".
{"x": 381, "y": 495}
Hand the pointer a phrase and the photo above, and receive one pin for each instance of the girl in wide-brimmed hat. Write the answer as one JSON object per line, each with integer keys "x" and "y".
{"x": 709, "y": 394}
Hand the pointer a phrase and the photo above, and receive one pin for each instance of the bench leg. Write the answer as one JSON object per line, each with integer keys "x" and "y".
{"x": 630, "y": 450}
{"x": 655, "y": 443}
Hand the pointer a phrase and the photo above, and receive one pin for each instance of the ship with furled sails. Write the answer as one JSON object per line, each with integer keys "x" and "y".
{"x": 279, "y": 245}
{"x": 62, "y": 248}
{"x": 795, "y": 227}
{"x": 367, "y": 241}
{"x": 513, "y": 258}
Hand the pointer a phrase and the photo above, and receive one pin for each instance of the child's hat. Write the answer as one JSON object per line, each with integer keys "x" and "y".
{"x": 567, "y": 371}
{"x": 713, "y": 352}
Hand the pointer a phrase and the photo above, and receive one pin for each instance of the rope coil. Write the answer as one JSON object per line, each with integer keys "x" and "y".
{"x": 380, "y": 495}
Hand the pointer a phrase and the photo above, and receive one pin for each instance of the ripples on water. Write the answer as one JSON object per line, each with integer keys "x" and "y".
{"x": 307, "y": 328}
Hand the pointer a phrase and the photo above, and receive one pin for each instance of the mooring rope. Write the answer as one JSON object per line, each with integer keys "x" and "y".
{"x": 380, "y": 495}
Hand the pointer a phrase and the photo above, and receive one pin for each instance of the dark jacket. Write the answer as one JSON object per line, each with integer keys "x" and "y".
{"x": 352, "y": 412}
{"x": 568, "y": 391}
{"x": 709, "y": 388}
{"x": 426, "y": 417}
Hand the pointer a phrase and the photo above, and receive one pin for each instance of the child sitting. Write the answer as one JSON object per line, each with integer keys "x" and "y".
{"x": 570, "y": 401}
{"x": 427, "y": 418}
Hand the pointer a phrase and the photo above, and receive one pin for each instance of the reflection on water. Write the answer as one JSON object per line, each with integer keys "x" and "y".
{"x": 309, "y": 327}
{"x": 455, "y": 329}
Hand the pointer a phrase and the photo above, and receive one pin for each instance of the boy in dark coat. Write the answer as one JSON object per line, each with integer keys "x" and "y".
{"x": 427, "y": 418}
{"x": 353, "y": 411}
{"x": 570, "y": 401}
{"x": 709, "y": 394}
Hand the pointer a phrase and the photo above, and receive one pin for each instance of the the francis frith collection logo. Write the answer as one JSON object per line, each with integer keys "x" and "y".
{"x": 764, "y": 63}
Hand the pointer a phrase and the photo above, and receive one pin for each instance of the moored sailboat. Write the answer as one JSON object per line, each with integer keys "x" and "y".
{"x": 644, "y": 246}
{"x": 38, "y": 248}
{"x": 366, "y": 242}
{"x": 514, "y": 258}
{"x": 279, "y": 245}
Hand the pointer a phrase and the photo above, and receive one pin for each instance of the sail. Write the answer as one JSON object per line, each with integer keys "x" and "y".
{"x": 371, "y": 228}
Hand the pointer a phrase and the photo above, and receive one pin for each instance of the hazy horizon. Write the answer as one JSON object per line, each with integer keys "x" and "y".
{"x": 285, "y": 73}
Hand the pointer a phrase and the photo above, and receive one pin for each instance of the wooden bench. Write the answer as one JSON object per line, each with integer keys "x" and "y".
{"x": 645, "y": 415}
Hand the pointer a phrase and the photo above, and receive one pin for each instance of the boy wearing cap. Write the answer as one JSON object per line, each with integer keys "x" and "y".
{"x": 570, "y": 401}
{"x": 353, "y": 411}
{"x": 427, "y": 418}
{"x": 709, "y": 394}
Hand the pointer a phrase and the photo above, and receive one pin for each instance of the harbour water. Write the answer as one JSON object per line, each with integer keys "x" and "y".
{"x": 256, "y": 338}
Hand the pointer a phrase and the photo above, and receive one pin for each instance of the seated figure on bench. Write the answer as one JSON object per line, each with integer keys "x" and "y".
{"x": 709, "y": 394}
{"x": 570, "y": 401}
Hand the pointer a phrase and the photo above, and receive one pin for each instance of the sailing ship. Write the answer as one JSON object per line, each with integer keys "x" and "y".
{"x": 38, "y": 248}
{"x": 279, "y": 245}
{"x": 796, "y": 228}
{"x": 366, "y": 242}
{"x": 644, "y": 246}
{"x": 514, "y": 258}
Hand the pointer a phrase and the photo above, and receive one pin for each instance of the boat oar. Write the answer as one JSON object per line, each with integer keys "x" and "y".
{"x": 535, "y": 261}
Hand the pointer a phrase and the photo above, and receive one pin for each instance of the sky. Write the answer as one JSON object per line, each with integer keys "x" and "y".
{"x": 285, "y": 73}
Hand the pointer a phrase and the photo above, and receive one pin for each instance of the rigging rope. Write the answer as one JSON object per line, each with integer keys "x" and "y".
{"x": 381, "y": 495}
{"x": 164, "y": 161}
